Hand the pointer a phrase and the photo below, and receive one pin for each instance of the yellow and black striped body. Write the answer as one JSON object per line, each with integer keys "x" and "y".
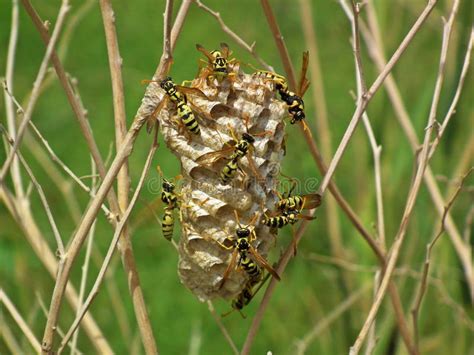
{"x": 295, "y": 106}
{"x": 169, "y": 197}
{"x": 228, "y": 171}
{"x": 280, "y": 221}
{"x": 251, "y": 268}
{"x": 184, "y": 112}
{"x": 167, "y": 223}
{"x": 243, "y": 298}
{"x": 241, "y": 149}
{"x": 295, "y": 103}
{"x": 291, "y": 203}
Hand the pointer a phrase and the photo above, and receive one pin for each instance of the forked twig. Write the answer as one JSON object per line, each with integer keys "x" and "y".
{"x": 327, "y": 178}
{"x": 95, "y": 289}
{"x": 423, "y": 161}
{"x": 4, "y": 299}
{"x": 426, "y": 266}
{"x": 233, "y": 35}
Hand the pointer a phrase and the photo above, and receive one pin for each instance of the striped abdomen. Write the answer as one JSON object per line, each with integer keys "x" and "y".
{"x": 228, "y": 171}
{"x": 167, "y": 224}
{"x": 292, "y": 203}
{"x": 187, "y": 117}
{"x": 251, "y": 268}
{"x": 276, "y": 222}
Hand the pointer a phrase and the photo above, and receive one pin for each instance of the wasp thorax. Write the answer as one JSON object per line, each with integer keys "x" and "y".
{"x": 168, "y": 186}
{"x": 207, "y": 203}
{"x": 167, "y": 84}
{"x": 248, "y": 138}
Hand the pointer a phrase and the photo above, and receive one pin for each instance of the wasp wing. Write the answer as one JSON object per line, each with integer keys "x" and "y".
{"x": 230, "y": 267}
{"x": 303, "y": 83}
{"x": 311, "y": 201}
{"x": 211, "y": 157}
{"x": 152, "y": 119}
{"x": 204, "y": 51}
{"x": 261, "y": 260}
{"x": 188, "y": 91}
{"x": 306, "y": 217}
{"x": 225, "y": 50}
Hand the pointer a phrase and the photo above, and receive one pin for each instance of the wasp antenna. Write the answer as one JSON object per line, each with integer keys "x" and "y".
{"x": 159, "y": 170}
{"x": 237, "y": 218}
{"x": 254, "y": 218}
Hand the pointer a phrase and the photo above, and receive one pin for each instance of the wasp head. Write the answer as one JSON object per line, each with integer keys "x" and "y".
{"x": 248, "y": 138}
{"x": 168, "y": 186}
{"x": 167, "y": 84}
{"x": 243, "y": 232}
{"x": 219, "y": 63}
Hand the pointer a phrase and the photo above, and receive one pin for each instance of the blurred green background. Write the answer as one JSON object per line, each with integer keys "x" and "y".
{"x": 313, "y": 284}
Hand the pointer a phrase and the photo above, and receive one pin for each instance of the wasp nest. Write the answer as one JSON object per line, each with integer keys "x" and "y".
{"x": 240, "y": 103}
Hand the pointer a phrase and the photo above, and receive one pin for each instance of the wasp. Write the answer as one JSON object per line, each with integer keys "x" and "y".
{"x": 293, "y": 100}
{"x": 217, "y": 64}
{"x": 179, "y": 96}
{"x": 236, "y": 149}
{"x": 287, "y": 217}
{"x": 246, "y": 295}
{"x": 242, "y": 248}
{"x": 298, "y": 202}
{"x": 171, "y": 199}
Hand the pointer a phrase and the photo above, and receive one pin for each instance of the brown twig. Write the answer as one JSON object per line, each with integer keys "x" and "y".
{"x": 302, "y": 344}
{"x": 36, "y": 86}
{"x": 250, "y": 48}
{"x": 123, "y": 177}
{"x": 9, "y": 102}
{"x": 423, "y": 161}
{"x": 44, "y": 201}
{"x": 100, "y": 277}
{"x": 4, "y": 299}
{"x": 222, "y": 328}
{"x": 147, "y": 107}
{"x": 376, "y": 53}
{"x": 362, "y": 104}
{"x": 423, "y": 284}
{"x": 280, "y": 43}
{"x": 327, "y": 178}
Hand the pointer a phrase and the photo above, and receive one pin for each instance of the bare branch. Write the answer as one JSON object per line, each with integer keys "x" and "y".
{"x": 20, "y": 321}
{"x": 36, "y": 86}
{"x": 423, "y": 161}
{"x": 95, "y": 289}
{"x": 222, "y": 328}
{"x": 423, "y": 284}
{"x": 250, "y": 48}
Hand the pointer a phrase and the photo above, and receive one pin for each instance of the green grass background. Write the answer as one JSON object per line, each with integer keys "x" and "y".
{"x": 309, "y": 289}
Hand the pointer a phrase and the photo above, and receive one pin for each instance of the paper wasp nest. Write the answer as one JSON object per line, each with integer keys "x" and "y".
{"x": 207, "y": 206}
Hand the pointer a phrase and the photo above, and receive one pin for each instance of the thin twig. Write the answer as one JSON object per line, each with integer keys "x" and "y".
{"x": 100, "y": 277}
{"x": 280, "y": 43}
{"x": 222, "y": 328}
{"x": 371, "y": 91}
{"x": 457, "y": 95}
{"x": 360, "y": 108}
{"x": 302, "y": 344}
{"x": 44, "y": 201}
{"x": 26, "y": 222}
{"x": 123, "y": 177}
{"x": 36, "y": 86}
{"x": 376, "y": 52}
{"x": 426, "y": 266}
{"x": 85, "y": 265}
{"x": 20, "y": 321}
{"x": 10, "y": 112}
{"x": 148, "y": 104}
{"x": 250, "y": 48}
{"x": 423, "y": 161}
